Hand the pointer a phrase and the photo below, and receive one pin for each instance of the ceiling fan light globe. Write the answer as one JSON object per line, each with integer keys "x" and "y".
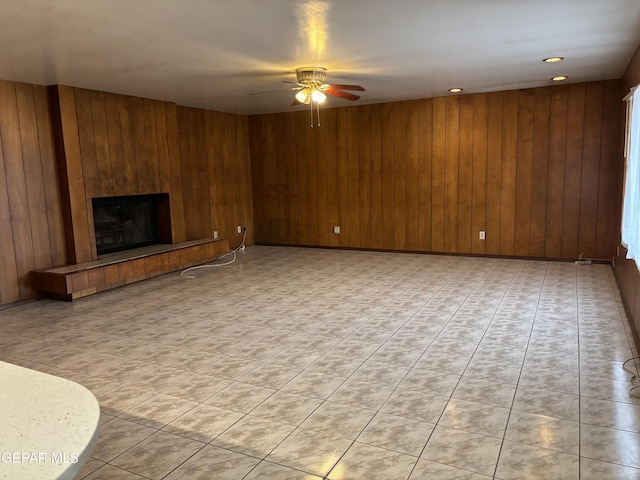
{"x": 318, "y": 97}
{"x": 303, "y": 96}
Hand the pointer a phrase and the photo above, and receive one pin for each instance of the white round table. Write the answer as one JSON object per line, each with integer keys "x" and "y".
{"x": 48, "y": 425}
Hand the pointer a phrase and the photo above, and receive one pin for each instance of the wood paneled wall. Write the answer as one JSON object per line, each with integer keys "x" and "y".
{"x": 216, "y": 178}
{"x": 626, "y": 271}
{"x": 106, "y": 145}
{"x": 121, "y": 145}
{"x": 539, "y": 170}
{"x": 31, "y": 226}
{"x": 114, "y": 145}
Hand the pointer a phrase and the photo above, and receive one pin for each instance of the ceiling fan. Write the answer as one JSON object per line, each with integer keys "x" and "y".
{"x": 313, "y": 89}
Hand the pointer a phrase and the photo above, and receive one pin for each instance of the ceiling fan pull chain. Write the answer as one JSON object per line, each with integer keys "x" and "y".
{"x": 311, "y": 112}
{"x": 318, "y": 112}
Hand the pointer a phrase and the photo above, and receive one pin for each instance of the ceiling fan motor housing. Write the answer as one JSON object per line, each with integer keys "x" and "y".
{"x": 311, "y": 75}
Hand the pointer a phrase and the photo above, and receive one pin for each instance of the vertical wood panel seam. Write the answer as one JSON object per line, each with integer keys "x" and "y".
{"x": 564, "y": 168}
{"x": 486, "y": 176}
{"x": 13, "y": 242}
{"x": 419, "y": 163}
{"x": 533, "y": 141}
{"x": 42, "y": 179}
{"x": 407, "y": 219}
{"x": 15, "y": 96}
{"x": 584, "y": 126}
{"x": 546, "y": 197}
{"x": 46, "y": 204}
{"x": 597, "y": 196}
{"x": 327, "y": 155}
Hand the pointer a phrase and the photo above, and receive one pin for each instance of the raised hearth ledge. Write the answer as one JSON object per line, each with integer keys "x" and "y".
{"x": 49, "y": 425}
{"x": 116, "y": 269}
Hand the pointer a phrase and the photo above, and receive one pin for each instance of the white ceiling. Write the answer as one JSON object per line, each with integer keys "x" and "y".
{"x": 214, "y": 53}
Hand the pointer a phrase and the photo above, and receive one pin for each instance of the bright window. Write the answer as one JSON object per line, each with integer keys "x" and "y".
{"x": 631, "y": 205}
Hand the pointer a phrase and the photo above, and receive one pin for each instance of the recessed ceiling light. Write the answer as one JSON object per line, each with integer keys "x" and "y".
{"x": 559, "y": 78}
{"x": 552, "y": 59}
{"x": 455, "y": 90}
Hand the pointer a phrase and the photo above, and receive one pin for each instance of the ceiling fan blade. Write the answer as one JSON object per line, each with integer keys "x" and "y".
{"x": 348, "y": 87}
{"x": 331, "y": 90}
{"x": 275, "y": 91}
{"x": 294, "y": 83}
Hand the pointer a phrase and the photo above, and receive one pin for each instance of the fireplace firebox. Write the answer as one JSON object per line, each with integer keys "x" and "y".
{"x": 123, "y": 223}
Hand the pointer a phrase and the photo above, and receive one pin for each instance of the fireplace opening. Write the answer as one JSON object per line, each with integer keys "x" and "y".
{"x": 123, "y": 223}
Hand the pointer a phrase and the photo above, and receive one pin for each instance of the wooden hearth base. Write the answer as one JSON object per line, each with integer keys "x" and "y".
{"x": 114, "y": 270}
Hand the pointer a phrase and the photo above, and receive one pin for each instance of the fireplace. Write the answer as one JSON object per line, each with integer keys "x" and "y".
{"x": 123, "y": 223}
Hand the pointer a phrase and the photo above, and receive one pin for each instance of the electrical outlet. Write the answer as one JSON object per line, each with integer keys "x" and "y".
{"x": 215, "y": 234}
{"x": 481, "y": 235}
{"x": 336, "y": 229}
{"x": 239, "y": 228}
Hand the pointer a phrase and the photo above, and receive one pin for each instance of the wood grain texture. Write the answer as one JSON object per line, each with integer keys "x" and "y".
{"x": 399, "y": 175}
{"x": 494, "y": 172}
{"x": 413, "y": 174}
{"x": 438, "y": 176}
{"x": 425, "y": 133}
{"x": 375, "y": 150}
{"x": 130, "y": 145}
{"x": 214, "y": 171}
{"x": 539, "y": 172}
{"x": 508, "y": 174}
{"x": 556, "y": 171}
{"x": 421, "y": 175}
{"x": 479, "y": 173}
{"x": 429, "y": 175}
{"x": 524, "y": 168}
{"x": 50, "y": 177}
{"x": 451, "y": 173}
{"x": 31, "y": 223}
{"x": 465, "y": 175}
{"x": 16, "y": 160}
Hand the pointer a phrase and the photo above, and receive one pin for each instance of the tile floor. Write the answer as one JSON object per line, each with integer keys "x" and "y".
{"x": 307, "y": 364}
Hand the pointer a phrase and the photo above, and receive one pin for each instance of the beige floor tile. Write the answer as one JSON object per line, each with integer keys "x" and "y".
{"x": 399, "y": 434}
{"x": 610, "y": 445}
{"x": 485, "y": 392}
{"x": 385, "y": 340}
{"x": 109, "y": 472}
{"x": 157, "y": 455}
{"x": 372, "y": 463}
{"x": 596, "y": 470}
{"x": 241, "y": 397}
{"x": 213, "y": 462}
{"x": 89, "y": 467}
{"x": 197, "y": 387}
{"x": 310, "y": 451}
{"x": 253, "y": 436}
{"x": 159, "y": 410}
{"x": 337, "y": 419}
{"x": 271, "y": 470}
{"x": 465, "y": 450}
{"x": 475, "y": 417}
{"x": 523, "y": 462}
{"x": 547, "y": 402}
{"x": 287, "y": 408}
{"x": 117, "y": 436}
{"x": 416, "y": 405}
{"x": 361, "y": 394}
{"x": 203, "y": 423}
{"x": 428, "y": 470}
{"x": 545, "y": 432}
